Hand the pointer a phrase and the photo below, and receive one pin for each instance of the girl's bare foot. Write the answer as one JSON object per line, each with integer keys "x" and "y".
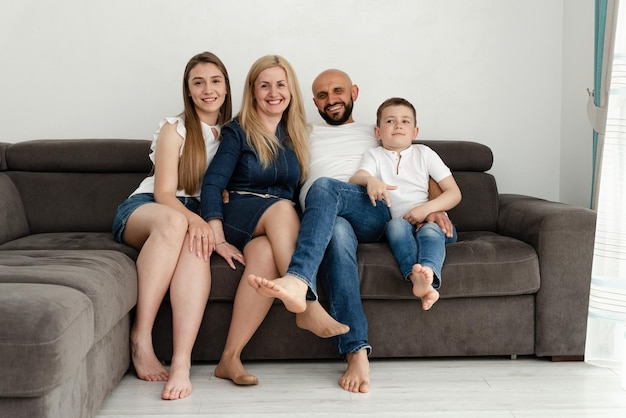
{"x": 290, "y": 290}
{"x": 234, "y": 370}
{"x": 178, "y": 386}
{"x": 422, "y": 279}
{"x": 356, "y": 378}
{"x": 319, "y": 322}
{"x": 146, "y": 364}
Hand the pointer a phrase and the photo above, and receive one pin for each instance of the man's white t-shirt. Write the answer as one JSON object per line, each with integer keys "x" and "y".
{"x": 408, "y": 170}
{"x": 336, "y": 151}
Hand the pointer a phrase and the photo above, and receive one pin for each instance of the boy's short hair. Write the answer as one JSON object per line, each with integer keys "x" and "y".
{"x": 394, "y": 101}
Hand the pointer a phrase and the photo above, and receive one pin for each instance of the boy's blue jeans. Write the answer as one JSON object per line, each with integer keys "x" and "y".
{"x": 426, "y": 246}
{"x": 337, "y": 216}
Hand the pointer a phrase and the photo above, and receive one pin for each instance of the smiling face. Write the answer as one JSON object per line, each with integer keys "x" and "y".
{"x": 396, "y": 127}
{"x": 271, "y": 92}
{"x": 207, "y": 89}
{"x": 334, "y": 96}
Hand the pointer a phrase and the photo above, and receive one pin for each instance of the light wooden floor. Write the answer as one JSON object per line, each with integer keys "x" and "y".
{"x": 468, "y": 387}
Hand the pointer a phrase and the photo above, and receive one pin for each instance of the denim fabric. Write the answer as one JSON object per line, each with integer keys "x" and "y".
{"x": 127, "y": 207}
{"x": 241, "y": 216}
{"x": 236, "y": 167}
{"x": 427, "y": 246}
{"x": 339, "y": 276}
{"x": 339, "y": 213}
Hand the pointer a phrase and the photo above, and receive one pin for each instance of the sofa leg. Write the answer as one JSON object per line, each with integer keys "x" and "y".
{"x": 513, "y": 356}
{"x": 568, "y": 358}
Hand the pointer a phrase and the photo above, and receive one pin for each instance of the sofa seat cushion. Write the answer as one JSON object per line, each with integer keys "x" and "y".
{"x": 69, "y": 241}
{"x": 107, "y": 278}
{"x": 45, "y": 332}
{"x": 478, "y": 264}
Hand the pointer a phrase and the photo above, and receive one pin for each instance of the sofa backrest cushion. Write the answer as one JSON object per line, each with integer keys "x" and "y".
{"x": 13, "y": 222}
{"x": 469, "y": 161}
{"x": 76, "y": 185}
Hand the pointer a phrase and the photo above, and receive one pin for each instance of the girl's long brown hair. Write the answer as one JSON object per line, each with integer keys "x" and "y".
{"x": 192, "y": 163}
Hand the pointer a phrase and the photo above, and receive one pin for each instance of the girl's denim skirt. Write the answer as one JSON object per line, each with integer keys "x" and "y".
{"x": 127, "y": 207}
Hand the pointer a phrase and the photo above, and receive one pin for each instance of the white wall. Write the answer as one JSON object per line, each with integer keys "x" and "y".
{"x": 510, "y": 74}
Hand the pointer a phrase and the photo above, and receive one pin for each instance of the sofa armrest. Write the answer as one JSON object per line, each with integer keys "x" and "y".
{"x": 563, "y": 236}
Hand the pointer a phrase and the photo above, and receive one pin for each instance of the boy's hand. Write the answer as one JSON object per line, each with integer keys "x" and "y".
{"x": 377, "y": 190}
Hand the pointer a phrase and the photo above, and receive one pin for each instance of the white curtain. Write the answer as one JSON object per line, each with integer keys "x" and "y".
{"x": 606, "y": 323}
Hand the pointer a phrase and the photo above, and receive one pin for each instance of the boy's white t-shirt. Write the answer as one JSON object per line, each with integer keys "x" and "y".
{"x": 336, "y": 151}
{"x": 408, "y": 170}
{"x": 211, "y": 145}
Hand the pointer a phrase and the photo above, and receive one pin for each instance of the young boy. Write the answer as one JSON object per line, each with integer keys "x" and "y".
{"x": 398, "y": 173}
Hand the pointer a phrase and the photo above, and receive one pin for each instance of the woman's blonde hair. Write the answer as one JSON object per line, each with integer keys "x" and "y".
{"x": 265, "y": 143}
{"x": 192, "y": 163}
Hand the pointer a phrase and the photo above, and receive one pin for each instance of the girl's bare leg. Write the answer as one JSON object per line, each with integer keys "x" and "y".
{"x": 249, "y": 311}
{"x": 189, "y": 293}
{"x": 158, "y": 232}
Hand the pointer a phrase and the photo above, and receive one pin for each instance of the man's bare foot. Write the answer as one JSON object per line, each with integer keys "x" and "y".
{"x": 356, "y": 378}
{"x": 146, "y": 364}
{"x": 233, "y": 370}
{"x": 178, "y": 386}
{"x": 319, "y": 322}
{"x": 290, "y": 290}
{"x": 422, "y": 279}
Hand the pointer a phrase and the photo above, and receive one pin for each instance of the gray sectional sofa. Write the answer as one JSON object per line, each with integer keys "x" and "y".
{"x": 516, "y": 283}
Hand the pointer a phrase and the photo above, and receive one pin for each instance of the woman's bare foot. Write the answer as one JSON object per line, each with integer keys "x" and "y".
{"x": 356, "y": 378}
{"x": 319, "y": 322}
{"x": 422, "y": 279}
{"x": 290, "y": 290}
{"x": 233, "y": 370}
{"x": 146, "y": 364}
{"x": 178, "y": 386}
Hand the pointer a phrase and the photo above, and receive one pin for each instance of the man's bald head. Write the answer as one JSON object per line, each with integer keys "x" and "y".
{"x": 334, "y": 96}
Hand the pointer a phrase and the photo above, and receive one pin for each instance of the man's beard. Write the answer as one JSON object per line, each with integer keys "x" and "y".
{"x": 342, "y": 119}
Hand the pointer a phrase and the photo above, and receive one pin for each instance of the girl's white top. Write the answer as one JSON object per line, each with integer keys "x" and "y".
{"x": 211, "y": 145}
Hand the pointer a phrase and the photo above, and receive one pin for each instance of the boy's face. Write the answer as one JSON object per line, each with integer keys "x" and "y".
{"x": 397, "y": 128}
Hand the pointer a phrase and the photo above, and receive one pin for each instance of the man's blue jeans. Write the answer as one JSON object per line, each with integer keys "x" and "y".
{"x": 426, "y": 246}
{"x": 337, "y": 216}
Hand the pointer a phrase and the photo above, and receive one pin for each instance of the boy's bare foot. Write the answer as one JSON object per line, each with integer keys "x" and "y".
{"x": 178, "y": 386}
{"x": 356, "y": 378}
{"x": 146, "y": 364}
{"x": 319, "y": 322}
{"x": 290, "y": 290}
{"x": 422, "y": 279}
{"x": 429, "y": 299}
{"x": 234, "y": 370}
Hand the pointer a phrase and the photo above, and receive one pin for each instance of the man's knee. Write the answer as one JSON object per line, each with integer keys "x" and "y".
{"x": 343, "y": 235}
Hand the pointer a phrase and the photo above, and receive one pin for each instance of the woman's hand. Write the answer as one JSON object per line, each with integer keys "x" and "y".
{"x": 229, "y": 253}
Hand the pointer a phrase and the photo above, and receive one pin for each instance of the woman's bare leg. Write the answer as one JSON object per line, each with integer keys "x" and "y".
{"x": 249, "y": 311}
{"x": 189, "y": 293}
{"x": 158, "y": 232}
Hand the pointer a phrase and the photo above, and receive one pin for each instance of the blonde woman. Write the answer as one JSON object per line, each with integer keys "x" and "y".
{"x": 262, "y": 159}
